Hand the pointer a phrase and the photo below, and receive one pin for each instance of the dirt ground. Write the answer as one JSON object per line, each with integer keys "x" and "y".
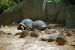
{"x": 12, "y": 42}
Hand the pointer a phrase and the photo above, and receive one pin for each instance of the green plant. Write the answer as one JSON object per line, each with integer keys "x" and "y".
{"x": 56, "y": 1}
{"x": 4, "y": 4}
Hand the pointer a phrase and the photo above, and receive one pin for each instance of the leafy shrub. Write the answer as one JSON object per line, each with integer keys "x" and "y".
{"x": 4, "y": 4}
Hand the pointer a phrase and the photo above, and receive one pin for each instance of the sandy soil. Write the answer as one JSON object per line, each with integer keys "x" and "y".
{"x": 12, "y": 42}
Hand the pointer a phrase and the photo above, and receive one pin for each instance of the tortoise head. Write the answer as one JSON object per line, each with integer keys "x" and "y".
{"x": 21, "y": 27}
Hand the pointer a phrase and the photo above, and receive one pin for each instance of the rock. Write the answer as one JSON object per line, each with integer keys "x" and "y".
{"x": 24, "y": 33}
{"x": 1, "y": 33}
{"x": 61, "y": 39}
{"x": 52, "y": 38}
{"x": 45, "y": 37}
{"x": 9, "y": 33}
{"x": 34, "y": 33}
{"x": 68, "y": 34}
{"x": 49, "y": 38}
{"x": 18, "y": 33}
{"x": 49, "y": 31}
{"x": 54, "y": 25}
{"x": 73, "y": 43}
{"x": 72, "y": 31}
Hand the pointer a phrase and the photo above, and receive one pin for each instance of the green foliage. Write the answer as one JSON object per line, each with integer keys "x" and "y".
{"x": 4, "y": 4}
{"x": 56, "y": 1}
